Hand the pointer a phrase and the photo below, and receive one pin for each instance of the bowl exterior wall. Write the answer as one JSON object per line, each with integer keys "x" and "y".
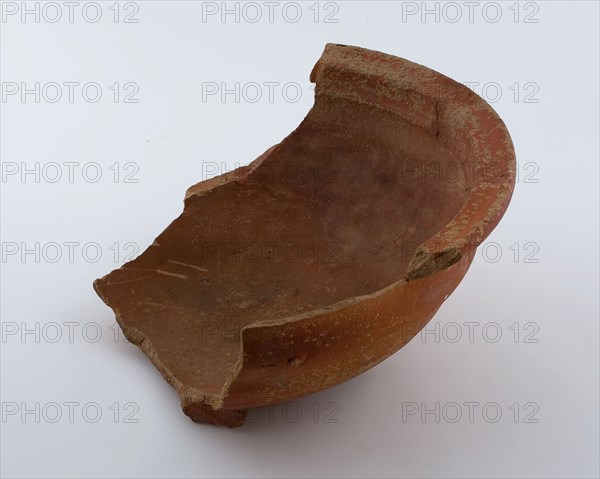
{"x": 312, "y": 354}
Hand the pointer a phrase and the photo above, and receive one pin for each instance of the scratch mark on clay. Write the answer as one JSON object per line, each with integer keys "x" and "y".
{"x": 188, "y": 265}
{"x": 182, "y": 276}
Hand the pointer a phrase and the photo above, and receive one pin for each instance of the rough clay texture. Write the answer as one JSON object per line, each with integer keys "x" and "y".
{"x": 330, "y": 251}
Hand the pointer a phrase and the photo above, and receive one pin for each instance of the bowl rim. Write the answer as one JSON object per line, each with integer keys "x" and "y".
{"x": 440, "y": 96}
{"x": 487, "y": 200}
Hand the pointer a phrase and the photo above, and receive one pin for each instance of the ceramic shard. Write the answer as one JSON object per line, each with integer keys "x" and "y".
{"x": 327, "y": 253}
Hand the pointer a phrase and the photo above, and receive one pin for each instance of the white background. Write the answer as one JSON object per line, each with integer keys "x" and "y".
{"x": 541, "y": 294}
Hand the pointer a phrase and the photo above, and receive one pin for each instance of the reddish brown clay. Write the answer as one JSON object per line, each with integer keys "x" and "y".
{"x": 330, "y": 251}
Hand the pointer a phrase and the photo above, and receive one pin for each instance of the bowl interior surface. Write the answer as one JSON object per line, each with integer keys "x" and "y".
{"x": 333, "y": 212}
